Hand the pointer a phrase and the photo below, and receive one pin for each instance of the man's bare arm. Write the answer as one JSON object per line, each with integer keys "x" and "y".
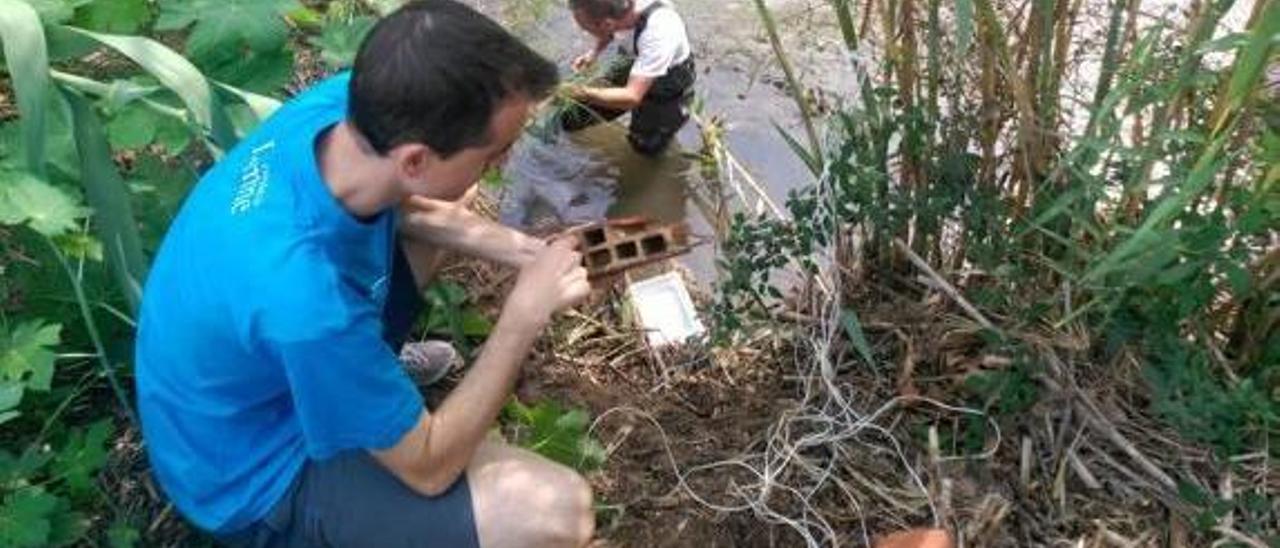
{"x": 620, "y": 98}
{"x": 431, "y": 456}
{"x": 455, "y": 227}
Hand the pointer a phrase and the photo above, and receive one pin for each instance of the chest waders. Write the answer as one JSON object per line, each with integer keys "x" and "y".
{"x": 661, "y": 114}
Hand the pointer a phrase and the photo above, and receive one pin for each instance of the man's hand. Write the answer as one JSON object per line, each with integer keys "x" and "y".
{"x": 584, "y": 61}
{"x": 555, "y": 280}
{"x": 572, "y": 91}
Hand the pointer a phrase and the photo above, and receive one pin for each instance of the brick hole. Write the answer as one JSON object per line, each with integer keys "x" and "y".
{"x": 594, "y": 237}
{"x": 600, "y": 258}
{"x": 628, "y": 250}
{"x": 654, "y": 245}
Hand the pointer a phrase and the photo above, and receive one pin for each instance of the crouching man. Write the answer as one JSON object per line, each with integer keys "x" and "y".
{"x": 274, "y": 406}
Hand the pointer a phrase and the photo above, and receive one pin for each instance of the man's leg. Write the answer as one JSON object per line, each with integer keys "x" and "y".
{"x": 509, "y": 497}
{"x": 522, "y": 499}
{"x": 654, "y": 124}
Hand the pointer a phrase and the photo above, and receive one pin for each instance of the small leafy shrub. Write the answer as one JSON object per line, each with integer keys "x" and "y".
{"x": 556, "y": 433}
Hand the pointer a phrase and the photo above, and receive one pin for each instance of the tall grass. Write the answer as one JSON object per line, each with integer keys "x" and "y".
{"x": 1091, "y": 167}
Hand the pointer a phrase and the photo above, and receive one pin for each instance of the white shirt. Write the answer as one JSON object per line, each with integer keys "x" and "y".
{"x": 663, "y": 44}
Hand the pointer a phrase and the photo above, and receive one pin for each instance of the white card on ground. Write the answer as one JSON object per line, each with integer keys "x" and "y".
{"x": 665, "y": 310}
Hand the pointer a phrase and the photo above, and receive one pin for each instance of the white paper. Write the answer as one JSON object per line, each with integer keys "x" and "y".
{"x": 665, "y": 309}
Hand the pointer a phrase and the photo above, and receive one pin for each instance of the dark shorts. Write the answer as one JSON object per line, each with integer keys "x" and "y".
{"x": 350, "y": 499}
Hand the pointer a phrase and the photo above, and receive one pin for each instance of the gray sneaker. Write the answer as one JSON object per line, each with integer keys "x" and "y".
{"x": 427, "y": 362}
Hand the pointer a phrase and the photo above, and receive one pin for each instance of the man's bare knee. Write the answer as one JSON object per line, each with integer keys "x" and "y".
{"x": 568, "y": 520}
{"x": 576, "y": 523}
{"x": 525, "y": 500}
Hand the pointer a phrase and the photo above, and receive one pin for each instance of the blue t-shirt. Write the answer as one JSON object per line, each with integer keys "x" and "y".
{"x": 260, "y": 340}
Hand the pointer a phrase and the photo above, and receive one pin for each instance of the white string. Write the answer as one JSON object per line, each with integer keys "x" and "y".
{"x": 825, "y": 417}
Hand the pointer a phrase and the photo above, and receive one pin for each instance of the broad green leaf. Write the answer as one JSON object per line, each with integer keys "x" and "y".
{"x": 177, "y": 74}
{"x": 114, "y": 16}
{"x": 447, "y": 293}
{"x": 16, "y": 470}
{"x": 28, "y": 60}
{"x": 25, "y": 517}
{"x": 260, "y": 71}
{"x": 107, "y": 194}
{"x": 173, "y": 135}
{"x": 575, "y": 419}
{"x": 133, "y": 127}
{"x": 84, "y": 453}
{"x": 964, "y": 27}
{"x": 10, "y": 395}
{"x": 65, "y": 526}
{"x": 65, "y": 45}
{"x": 228, "y": 24}
{"x": 6, "y": 416}
{"x": 122, "y": 535}
{"x": 339, "y": 41}
{"x": 56, "y": 11}
{"x": 42, "y": 206}
{"x": 475, "y": 324}
{"x": 556, "y": 433}
{"x": 26, "y": 354}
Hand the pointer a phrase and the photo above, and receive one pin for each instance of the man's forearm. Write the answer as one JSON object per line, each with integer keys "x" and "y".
{"x": 457, "y": 228}
{"x": 464, "y": 419}
{"x": 432, "y": 456}
{"x": 616, "y": 98}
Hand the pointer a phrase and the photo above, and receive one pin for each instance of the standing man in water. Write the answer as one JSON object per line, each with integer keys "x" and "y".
{"x": 653, "y": 79}
{"x": 274, "y": 408}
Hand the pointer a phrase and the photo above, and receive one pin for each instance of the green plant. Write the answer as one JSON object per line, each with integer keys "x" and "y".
{"x": 77, "y": 223}
{"x": 1155, "y": 243}
{"x": 241, "y": 42}
{"x": 41, "y": 489}
{"x": 555, "y": 432}
{"x": 26, "y": 363}
{"x": 449, "y": 313}
{"x": 339, "y": 40}
{"x": 1170, "y": 273}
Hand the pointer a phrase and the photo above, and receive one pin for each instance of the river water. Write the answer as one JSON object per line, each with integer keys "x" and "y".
{"x": 594, "y": 174}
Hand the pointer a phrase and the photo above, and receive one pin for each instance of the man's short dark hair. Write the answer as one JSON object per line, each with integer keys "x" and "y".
{"x": 602, "y": 9}
{"x": 435, "y": 72}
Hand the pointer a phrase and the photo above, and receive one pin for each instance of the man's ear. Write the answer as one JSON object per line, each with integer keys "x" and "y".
{"x": 412, "y": 160}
